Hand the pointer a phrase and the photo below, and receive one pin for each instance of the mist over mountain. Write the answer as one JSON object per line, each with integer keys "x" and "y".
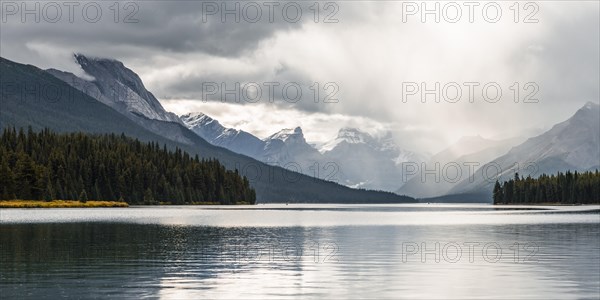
{"x": 570, "y": 145}
{"x": 116, "y": 86}
{"x": 75, "y": 111}
{"x": 437, "y": 176}
{"x": 353, "y": 157}
{"x": 368, "y": 161}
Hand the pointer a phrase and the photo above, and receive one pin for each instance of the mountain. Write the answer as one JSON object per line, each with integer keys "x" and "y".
{"x": 453, "y": 164}
{"x": 116, "y": 86}
{"x": 212, "y": 131}
{"x": 68, "y": 109}
{"x": 353, "y": 158}
{"x": 570, "y": 145}
{"x": 367, "y": 161}
{"x": 281, "y": 148}
{"x": 120, "y": 88}
{"x": 467, "y": 145}
{"x": 287, "y": 147}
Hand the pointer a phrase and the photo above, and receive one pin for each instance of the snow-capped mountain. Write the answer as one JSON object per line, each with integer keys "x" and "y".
{"x": 349, "y": 136}
{"x": 353, "y": 158}
{"x": 290, "y": 146}
{"x": 571, "y": 145}
{"x": 116, "y": 86}
{"x": 212, "y": 131}
{"x": 75, "y": 111}
{"x": 366, "y": 161}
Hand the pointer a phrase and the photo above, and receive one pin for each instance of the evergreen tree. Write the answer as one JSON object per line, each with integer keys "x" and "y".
{"x": 47, "y": 165}
{"x": 83, "y": 197}
{"x": 562, "y": 188}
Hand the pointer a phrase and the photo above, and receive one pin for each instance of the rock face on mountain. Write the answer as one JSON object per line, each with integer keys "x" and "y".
{"x": 116, "y": 86}
{"x": 75, "y": 111}
{"x": 353, "y": 158}
{"x": 571, "y": 145}
{"x": 212, "y": 131}
{"x": 444, "y": 170}
{"x": 289, "y": 147}
{"x": 366, "y": 161}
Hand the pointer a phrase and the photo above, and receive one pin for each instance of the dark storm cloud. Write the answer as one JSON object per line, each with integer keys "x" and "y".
{"x": 177, "y": 26}
{"x": 368, "y": 54}
{"x": 286, "y": 88}
{"x": 142, "y": 30}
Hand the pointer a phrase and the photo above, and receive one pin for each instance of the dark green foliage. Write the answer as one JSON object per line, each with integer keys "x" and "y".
{"x": 564, "y": 188}
{"x": 22, "y": 104}
{"x": 83, "y": 197}
{"x": 76, "y": 166}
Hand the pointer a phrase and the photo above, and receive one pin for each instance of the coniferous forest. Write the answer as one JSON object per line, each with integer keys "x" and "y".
{"x": 562, "y": 188}
{"x": 47, "y": 166}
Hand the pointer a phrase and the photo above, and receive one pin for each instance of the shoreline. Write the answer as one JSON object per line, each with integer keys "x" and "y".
{"x": 92, "y": 204}
{"x": 60, "y": 204}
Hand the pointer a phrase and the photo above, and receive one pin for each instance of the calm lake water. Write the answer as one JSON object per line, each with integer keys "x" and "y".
{"x": 302, "y": 251}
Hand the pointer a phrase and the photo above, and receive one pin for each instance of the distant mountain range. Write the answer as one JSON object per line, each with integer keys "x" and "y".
{"x": 353, "y": 158}
{"x": 116, "y": 100}
{"x": 570, "y": 145}
{"x": 93, "y": 106}
{"x": 454, "y": 164}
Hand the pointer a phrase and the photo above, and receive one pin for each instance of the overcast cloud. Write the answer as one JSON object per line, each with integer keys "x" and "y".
{"x": 367, "y": 54}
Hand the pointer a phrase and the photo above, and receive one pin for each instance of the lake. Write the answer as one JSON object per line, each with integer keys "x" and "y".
{"x": 302, "y": 251}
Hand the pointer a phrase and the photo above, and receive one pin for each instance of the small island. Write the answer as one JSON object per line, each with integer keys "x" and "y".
{"x": 50, "y": 169}
{"x": 570, "y": 188}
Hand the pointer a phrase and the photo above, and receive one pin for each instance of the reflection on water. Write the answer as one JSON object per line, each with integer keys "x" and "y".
{"x": 554, "y": 256}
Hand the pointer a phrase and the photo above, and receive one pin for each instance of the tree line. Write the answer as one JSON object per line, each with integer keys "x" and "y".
{"x": 75, "y": 166}
{"x": 563, "y": 188}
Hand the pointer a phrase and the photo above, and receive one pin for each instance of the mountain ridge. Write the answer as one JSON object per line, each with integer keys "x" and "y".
{"x": 76, "y": 111}
{"x": 336, "y": 160}
{"x": 573, "y": 144}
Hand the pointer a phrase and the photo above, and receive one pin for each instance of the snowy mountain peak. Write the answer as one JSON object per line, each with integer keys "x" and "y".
{"x": 590, "y": 105}
{"x": 119, "y": 87}
{"x": 348, "y": 135}
{"x": 589, "y": 110}
{"x": 199, "y": 119}
{"x": 207, "y": 127}
{"x": 354, "y": 136}
{"x": 288, "y": 136}
{"x": 195, "y": 115}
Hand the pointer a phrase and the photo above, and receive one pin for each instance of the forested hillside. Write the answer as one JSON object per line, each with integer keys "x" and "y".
{"x": 66, "y": 109}
{"x": 563, "y": 188}
{"x": 75, "y": 166}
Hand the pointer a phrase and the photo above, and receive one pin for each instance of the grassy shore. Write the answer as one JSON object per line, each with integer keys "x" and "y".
{"x": 58, "y": 204}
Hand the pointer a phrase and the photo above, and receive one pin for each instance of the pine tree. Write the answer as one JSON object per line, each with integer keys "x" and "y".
{"x": 498, "y": 195}
{"x": 46, "y": 165}
{"x": 83, "y": 197}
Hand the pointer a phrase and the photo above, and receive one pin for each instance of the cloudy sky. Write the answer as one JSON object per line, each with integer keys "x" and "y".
{"x": 369, "y": 61}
